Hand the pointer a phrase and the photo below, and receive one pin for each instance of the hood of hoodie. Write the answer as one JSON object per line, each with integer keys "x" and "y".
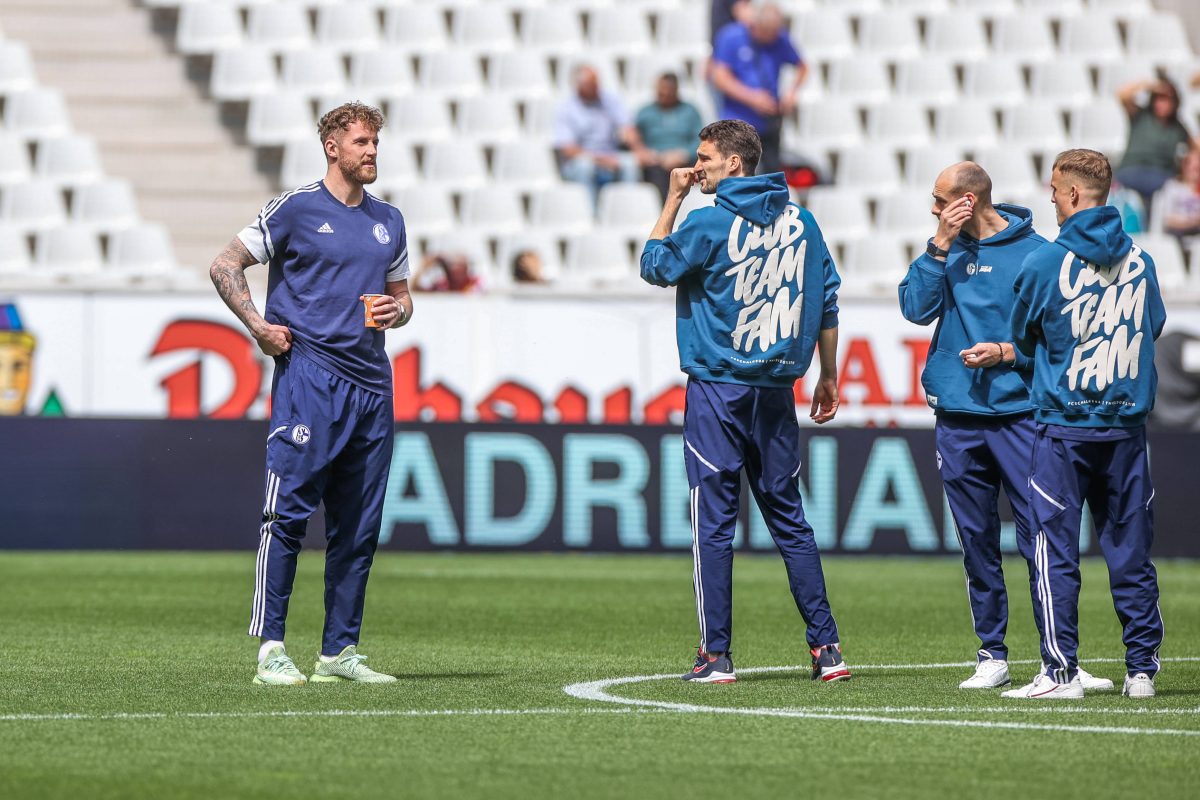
{"x": 1020, "y": 223}
{"x": 1096, "y": 235}
{"x": 759, "y": 198}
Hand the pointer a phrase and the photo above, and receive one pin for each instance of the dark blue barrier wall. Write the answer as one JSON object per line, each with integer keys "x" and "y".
{"x": 163, "y": 484}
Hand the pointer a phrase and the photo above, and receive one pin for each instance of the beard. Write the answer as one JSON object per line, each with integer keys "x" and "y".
{"x": 359, "y": 172}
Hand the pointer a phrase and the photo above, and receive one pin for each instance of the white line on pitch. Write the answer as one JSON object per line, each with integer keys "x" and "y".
{"x": 597, "y": 691}
{"x": 349, "y": 712}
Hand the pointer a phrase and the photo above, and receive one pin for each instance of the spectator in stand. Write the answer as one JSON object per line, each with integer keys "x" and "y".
{"x": 669, "y": 128}
{"x": 447, "y": 272}
{"x": 747, "y": 58}
{"x": 1179, "y": 199}
{"x": 590, "y": 128}
{"x": 527, "y": 268}
{"x": 1157, "y": 137}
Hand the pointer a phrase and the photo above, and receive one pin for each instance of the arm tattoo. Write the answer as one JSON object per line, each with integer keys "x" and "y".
{"x": 228, "y": 273}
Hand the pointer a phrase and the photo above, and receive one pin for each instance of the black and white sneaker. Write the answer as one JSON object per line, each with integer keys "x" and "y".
{"x": 827, "y": 663}
{"x": 711, "y": 669}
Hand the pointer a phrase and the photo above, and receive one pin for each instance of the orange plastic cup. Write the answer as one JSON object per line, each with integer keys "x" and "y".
{"x": 369, "y": 310}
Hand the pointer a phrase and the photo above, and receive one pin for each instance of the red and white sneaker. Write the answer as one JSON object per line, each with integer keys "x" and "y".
{"x": 827, "y": 663}
{"x": 711, "y": 669}
{"x": 1044, "y": 688}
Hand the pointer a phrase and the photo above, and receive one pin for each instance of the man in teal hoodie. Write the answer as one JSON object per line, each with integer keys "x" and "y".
{"x": 756, "y": 293}
{"x": 978, "y": 386}
{"x": 1087, "y": 311}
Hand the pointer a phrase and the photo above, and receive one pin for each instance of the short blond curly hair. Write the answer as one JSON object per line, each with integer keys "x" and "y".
{"x": 340, "y": 119}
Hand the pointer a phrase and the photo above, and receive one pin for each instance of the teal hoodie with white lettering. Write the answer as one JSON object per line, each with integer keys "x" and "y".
{"x": 1087, "y": 311}
{"x": 755, "y": 284}
{"x": 969, "y": 296}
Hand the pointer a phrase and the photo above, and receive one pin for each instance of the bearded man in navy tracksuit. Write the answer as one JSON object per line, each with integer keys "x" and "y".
{"x": 1087, "y": 311}
{"x": 978, "y": 385}
{"x": 757, "y": 291}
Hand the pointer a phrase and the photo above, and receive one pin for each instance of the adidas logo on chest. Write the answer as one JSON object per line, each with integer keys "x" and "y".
{"x": 325, "y": 228}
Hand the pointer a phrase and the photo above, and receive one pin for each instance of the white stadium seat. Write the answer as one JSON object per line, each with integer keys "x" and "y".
{"x": 419, "y": 27}
{"x": 892, "y": 35}
{"x": 314, "y": 72}
{"x": 520, "y": 74}
{"x": 527, "y": 164}
{"x": 1011, "y": 170}
{"x": 540, "y": 242}
{"x": 37, "y": 113}
{"x": 841, "y": 214}
{"x": 273, "y": 119}
{"x": 279, "y": 26}
{"x": 33, "y": 206}
{"x": 907, "y": 213}
{"x": 871, "y": 168}
{"x": 1168, "y": 259}
{"x": 998, "y": 82}
{"x": 878, "y": 262}
{"x": 242, "y": 73}
{"x": 958, "y": 36}
{"x": 493, "y": 210}
{"x": 898, "y": 122}
{"x": 68, "y": 249}
{"x": 68, "y": 160}
{"x": 563, "y": 209}
{"x": 600, "y": 255}
{"x": 922, "y": 165}
{"x": 303, "y": 162}
{"x": 629, "y": 208}
{"x": 1100, "y": 126}
{"x": 1065, "y": 83}
{"x": 618, "y": 30}
{"x": 863, "y": 79}
{"x": 451, "y": 72}
{"x": 829, "y": 124}
{"x": 1162, "y": 37}
{"x": 384, "y": 71}
{"x": 1112, "y": 75}
{"x": 455, "y": 164}
{"x": 144, "y": 248}
{"x": 106, "y": 205}
{"x": 553, "y": 29}
{"x": 682, "y": 33}
{"x": 643, "y": 71}
{"x": 14, "y": 250}
{"x": 484, "y": 28}
{"x": 427, "y": 210}
{"x": 1036, "y": 125}
{"x": 351, "y": 26}
{"x": 205, "y": 27}
{"x": 15, "y": 164}
{"x": 488, "y": 119}
{"x": 929, "y": 81}
{"x": 16, "y": 67}
{"x": 825, "y": 34}
{"x": 1057, "y": 9}
{"x": 1025, "y": 37}
{"x": 969, "y": 124}
{"x": 419, "y": 116}
{"x": 1090, "y": 37}
{"x": 397, "y": 164}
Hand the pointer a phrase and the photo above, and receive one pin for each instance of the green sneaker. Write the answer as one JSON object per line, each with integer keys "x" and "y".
{"x": 348, "y": 666}
{"x": 278, "y": 670}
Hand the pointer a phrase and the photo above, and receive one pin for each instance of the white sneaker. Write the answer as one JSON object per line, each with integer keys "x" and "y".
{"x": 1139, "y": 685}
{"x": 990, "y": 673}
{"x": 1043, "y": 688}
{"x": 1091, "y": 683}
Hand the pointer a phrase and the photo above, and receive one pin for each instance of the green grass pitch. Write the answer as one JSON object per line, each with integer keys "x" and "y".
{"x": 128, "y": 675}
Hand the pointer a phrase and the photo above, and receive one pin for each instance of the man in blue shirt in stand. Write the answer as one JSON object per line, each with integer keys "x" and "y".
{"x": 746, "y": 61}
{"x": 1088, "y": 309}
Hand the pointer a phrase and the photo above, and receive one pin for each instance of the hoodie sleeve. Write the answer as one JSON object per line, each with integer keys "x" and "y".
{"x": 665, "y": 262}
{"x": 1024, "y": 319}
{"x": 1156, "y": 311}
{"x": 923, "y": 290}
{"x": 833, "y": 281}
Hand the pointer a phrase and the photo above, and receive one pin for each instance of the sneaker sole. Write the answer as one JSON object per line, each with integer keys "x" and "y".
{"x": 260, "y": 682}
{"x": 837, "y": 675}
{"x": 716, "y": 677}
{"x": 987, "y": 686}
{"x": 340, "y": 679}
